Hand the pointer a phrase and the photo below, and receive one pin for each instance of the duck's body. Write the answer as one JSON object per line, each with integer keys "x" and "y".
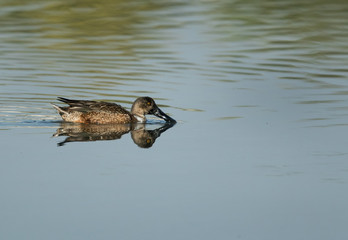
{"x": 96, "y": 112}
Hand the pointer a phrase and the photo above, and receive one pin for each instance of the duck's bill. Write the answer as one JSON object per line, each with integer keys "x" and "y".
{"x": 158, "y": 113}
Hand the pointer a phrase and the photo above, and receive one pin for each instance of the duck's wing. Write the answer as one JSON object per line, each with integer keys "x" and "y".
{"x": 92, "y": 106}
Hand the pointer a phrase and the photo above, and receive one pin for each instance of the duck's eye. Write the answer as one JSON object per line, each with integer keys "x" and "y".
{"x": 149, "y": 103}
{"x": 148, "y": 140}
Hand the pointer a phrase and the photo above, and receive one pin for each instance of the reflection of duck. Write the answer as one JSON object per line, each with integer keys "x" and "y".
{"x": 96, "y": 132}
{"x": 146, "y": 138}
{"x": 81, "y": 111}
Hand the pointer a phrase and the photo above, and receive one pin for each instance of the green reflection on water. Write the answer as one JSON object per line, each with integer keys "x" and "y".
{"x": 85, "y": 23}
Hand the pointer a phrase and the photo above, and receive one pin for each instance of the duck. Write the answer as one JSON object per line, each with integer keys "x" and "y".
{"x": 99, "y": 112}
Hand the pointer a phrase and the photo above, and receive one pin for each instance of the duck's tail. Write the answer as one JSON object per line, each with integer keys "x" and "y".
{"x": 59, "y": 109}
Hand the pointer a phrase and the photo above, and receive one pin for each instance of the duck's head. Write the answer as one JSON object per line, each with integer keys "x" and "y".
{"x": 146, "y": 105}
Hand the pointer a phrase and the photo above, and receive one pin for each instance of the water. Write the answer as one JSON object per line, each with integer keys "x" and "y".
{"x": 260, "y": 93}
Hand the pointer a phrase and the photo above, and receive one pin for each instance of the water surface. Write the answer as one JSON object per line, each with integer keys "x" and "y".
{"x": 260, "y": 93}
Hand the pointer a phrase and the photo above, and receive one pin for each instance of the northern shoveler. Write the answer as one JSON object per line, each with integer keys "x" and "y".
{"x": 82, "y": 111}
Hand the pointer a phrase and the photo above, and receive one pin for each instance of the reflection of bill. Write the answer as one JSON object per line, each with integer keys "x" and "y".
{"x": 94, "y": 132}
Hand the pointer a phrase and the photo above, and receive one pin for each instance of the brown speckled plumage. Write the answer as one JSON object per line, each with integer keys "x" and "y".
{"x": 96, "y": 112}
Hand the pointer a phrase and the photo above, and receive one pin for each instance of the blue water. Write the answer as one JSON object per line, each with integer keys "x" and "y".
{"x": 259, "y": 92}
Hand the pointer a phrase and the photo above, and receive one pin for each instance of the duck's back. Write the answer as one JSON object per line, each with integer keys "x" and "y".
{"x": 83, "y": 111}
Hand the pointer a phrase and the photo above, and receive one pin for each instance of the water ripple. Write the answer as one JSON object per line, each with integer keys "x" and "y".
{"x": 293, "y": 53}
